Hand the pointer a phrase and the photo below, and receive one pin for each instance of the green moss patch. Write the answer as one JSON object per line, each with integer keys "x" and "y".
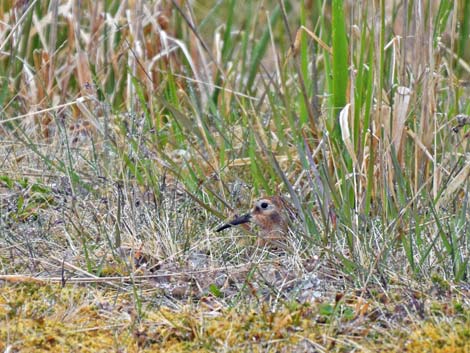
{"x": 90, "y": 319}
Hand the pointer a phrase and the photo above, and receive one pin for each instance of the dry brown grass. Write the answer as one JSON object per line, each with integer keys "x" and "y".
{"x": 131, "y": 130}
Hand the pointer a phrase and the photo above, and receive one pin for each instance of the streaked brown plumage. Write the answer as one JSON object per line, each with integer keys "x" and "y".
{"x": 271, "y": 215}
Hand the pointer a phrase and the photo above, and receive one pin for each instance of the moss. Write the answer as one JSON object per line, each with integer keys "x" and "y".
{"x": 440, "y": 339}
{"x": 35, "y": 318}
{"x": 50, "y": 318}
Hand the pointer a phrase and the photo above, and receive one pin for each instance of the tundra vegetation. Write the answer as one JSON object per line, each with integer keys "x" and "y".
{"x": 132, "y": 130}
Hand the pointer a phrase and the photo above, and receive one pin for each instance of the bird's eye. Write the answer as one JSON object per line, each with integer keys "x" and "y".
{"x": 264, "y": 205}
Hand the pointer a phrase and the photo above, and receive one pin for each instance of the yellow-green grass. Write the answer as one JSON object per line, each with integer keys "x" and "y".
{"x": 130, "y": 130}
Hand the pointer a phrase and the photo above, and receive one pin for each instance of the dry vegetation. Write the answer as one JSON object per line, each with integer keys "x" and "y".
{"x": 130, "y": 130}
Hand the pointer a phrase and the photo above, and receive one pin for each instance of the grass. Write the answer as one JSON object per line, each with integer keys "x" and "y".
{"x": 131, "y": 131}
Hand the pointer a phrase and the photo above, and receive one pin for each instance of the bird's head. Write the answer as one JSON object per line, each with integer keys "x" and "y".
{"x": 267, "y": 213}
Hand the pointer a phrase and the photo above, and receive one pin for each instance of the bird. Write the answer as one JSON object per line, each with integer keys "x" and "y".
{"x": 271, "y": 214}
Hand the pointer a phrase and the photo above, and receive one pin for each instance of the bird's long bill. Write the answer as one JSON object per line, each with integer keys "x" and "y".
{"x": 236, "y": 221}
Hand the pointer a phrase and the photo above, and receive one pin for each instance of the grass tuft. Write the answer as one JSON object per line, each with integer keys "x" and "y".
{"x": 130, "y": 131}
